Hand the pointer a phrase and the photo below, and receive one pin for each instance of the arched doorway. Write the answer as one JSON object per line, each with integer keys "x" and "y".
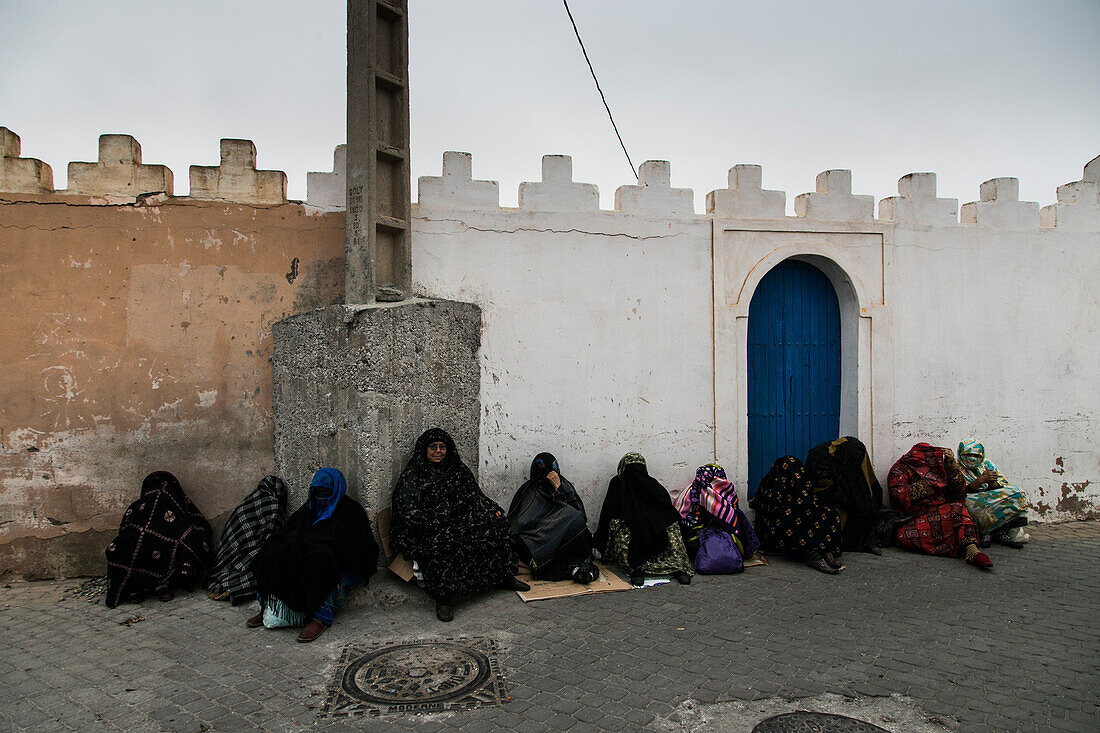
{"x": 794, "y": 365}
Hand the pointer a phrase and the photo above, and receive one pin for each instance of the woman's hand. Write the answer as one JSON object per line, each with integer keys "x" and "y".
{"x": 986, "y": 477}
{"x": 554, "y": 479}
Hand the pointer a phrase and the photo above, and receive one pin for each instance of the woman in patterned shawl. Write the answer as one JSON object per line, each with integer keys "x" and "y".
{"x": 927, "y": 483}
{"x": 997, "y": 507}
{"x": 455, "y": 536}
{"x": 710, "y": 501}
{"x": 549, "y": 526}
{"x": 262, "y": 512}
{"x": 844, "y": 479}
{"x": 163, "y": 540}
{"x": 790, "y": 521}
{"x": 639, "y": 528}
{"x": 308, "y": 568}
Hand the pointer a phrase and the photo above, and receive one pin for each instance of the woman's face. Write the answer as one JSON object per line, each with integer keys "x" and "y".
{"x": 437, "y": 451}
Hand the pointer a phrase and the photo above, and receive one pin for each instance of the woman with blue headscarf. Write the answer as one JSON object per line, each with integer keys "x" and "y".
{"x": 307, "y": 569}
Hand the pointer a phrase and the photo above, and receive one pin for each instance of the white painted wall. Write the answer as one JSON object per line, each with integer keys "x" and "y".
{"x": 603, "y": 331}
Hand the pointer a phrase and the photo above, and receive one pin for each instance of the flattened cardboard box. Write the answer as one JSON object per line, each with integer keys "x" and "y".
{"x": 542, "y": 590}
{"x": 400, "y": 567}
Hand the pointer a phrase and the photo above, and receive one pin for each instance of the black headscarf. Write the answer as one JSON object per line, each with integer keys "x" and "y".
{"x": 163, "y": 539}
{"x": 843, "y": 478}
{"x": 543, "y": 518}
{"x": 457, "y": 536}
{"x": 637, "y": 499}
{"x": 258, "y": 515}
{"x": 302, "y": 563}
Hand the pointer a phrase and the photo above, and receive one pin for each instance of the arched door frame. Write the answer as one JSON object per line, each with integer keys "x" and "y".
{"x": 848, "y": 268}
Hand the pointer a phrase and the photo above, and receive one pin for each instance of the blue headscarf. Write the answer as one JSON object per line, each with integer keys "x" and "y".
{"x": 327, "y": 478}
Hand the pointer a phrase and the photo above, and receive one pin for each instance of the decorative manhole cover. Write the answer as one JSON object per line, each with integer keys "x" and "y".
{"x": 415, "y": 677}
{"x": 805, "y": 722}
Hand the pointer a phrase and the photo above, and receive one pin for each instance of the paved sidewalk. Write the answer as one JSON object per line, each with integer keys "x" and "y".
{"x": 905, "y": 641}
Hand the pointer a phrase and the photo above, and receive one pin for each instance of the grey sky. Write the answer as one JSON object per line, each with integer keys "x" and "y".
{"x": 968, "y": 90}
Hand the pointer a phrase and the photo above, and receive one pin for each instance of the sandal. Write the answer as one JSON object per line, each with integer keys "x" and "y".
{"x": 817, "y": 562}
{"x": 164, "y": 593}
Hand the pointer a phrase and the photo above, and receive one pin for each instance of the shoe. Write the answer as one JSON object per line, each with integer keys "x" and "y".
{"x": 223, "y": 596}
{"x": 164, "y": 593}
{"x": 832, "y": 561}
{"x": 873, "y": 549}
{"x": 682, "y": 578}
{"x": 584, "y": 574}
{"x": 256, "y": 621}
{"x": 443, "y": 611}
{"x": 637, "y": 580}
{"x": 514, "y": 584}
{"x": 817, "y": 562}
{"x": 312, "y": 630}
{"x": 981, "y": 560}
{"x": 1004, "y": 537}
{"x": 985, "y": 540}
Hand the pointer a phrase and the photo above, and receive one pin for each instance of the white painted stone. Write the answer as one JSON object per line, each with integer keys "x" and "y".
{"x": 746, "y": 198}
{"x": 21, "y": 175}
{"x": 918, "y": 204}
{"x": 236, "y": 178}
{"x": 456, "y": 188}
{"x": 557, "y": 191}
{"x": 328, "y": 190}
{"x": 1078, "y": 208}
{"x": 1000, "y": 207}
{"x": 654, "y": 193}
{"x": 1092, "y": 171}
{"x": 834, "y": 201}
{"x": 119, "y": 171}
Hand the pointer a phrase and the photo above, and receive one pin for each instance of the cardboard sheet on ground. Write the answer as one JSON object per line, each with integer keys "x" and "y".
{"x": 542, "y": 590}
{"x": 400, "y": 567}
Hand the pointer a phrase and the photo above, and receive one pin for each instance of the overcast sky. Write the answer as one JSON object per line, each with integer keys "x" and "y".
{"x": 970, "y": 90}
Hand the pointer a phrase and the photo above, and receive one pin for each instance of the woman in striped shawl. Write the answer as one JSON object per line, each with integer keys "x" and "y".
{"x": 254, "y": 520}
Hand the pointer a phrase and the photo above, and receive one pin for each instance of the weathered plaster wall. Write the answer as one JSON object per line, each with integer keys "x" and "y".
{"x": 136, "y": 337}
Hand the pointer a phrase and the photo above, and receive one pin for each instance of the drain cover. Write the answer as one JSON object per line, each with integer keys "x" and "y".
{"x": 806, "y": 722}
{"x": 415, "y": 677}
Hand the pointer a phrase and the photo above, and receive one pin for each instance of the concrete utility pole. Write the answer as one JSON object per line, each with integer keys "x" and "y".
{"x": 377, "y": 242}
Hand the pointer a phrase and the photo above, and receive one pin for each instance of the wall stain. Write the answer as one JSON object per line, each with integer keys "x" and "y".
{"x": 1059, "y": 466}
{"x": 293, "y": 274}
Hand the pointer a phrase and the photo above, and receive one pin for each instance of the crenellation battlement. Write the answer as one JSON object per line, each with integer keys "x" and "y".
{"x": 237, "y": 179}
{"x": 18, "y": 174}
{"x": 654, "y": 193}
{"x": 119, "y": 171}
{"x": 834, "y": 201}
{"x": 999, "y": 206}
{"x": 456, "y": 187}
{"x": 1078, "y": 206}
{"x": 557, "y": 191}
{"x": 328, "y": 190}
{"x": 746, "y": 198}
{"x": 917, "y": 203}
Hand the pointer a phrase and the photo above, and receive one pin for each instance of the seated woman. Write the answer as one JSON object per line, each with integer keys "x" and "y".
{"x": 996, "y": 506}
{"x": 927, "y": 484}
{"x": 790, "y": 521}
{"x": 843, "y": 479}
{"x": 713, "y": 521}
{"x": 310, "y": 566}
{"x": 260, "y": 513}
{"x": 639, "y": 528}
{"x": 549, "y": 527}
{"x": 163, "y": 541}
{"x": 455, "y": 536}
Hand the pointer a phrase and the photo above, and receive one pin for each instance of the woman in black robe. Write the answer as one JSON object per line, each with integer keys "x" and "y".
{"x": 844, "y": 479}
{"x": 163, "y": 541}
{"x": 640, "y": 528}
{"x": 549, "y": 526}
{"x": 259, "y": 514}
{"x": 790, "y": 521}
{"x": 455, "y": 536}
{"x": 308, "y": 568}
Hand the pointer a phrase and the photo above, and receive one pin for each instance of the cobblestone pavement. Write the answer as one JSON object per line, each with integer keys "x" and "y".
{"x": 1014, "y": 649}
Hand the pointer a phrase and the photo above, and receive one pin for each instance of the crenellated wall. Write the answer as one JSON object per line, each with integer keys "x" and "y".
{"x": 137, "y": 325}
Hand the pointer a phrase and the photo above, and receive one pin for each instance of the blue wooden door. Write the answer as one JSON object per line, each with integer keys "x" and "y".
{"x": 793, "y": 366}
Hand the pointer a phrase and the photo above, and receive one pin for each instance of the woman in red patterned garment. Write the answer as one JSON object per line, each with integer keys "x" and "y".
{"x": 928, "y": 484}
